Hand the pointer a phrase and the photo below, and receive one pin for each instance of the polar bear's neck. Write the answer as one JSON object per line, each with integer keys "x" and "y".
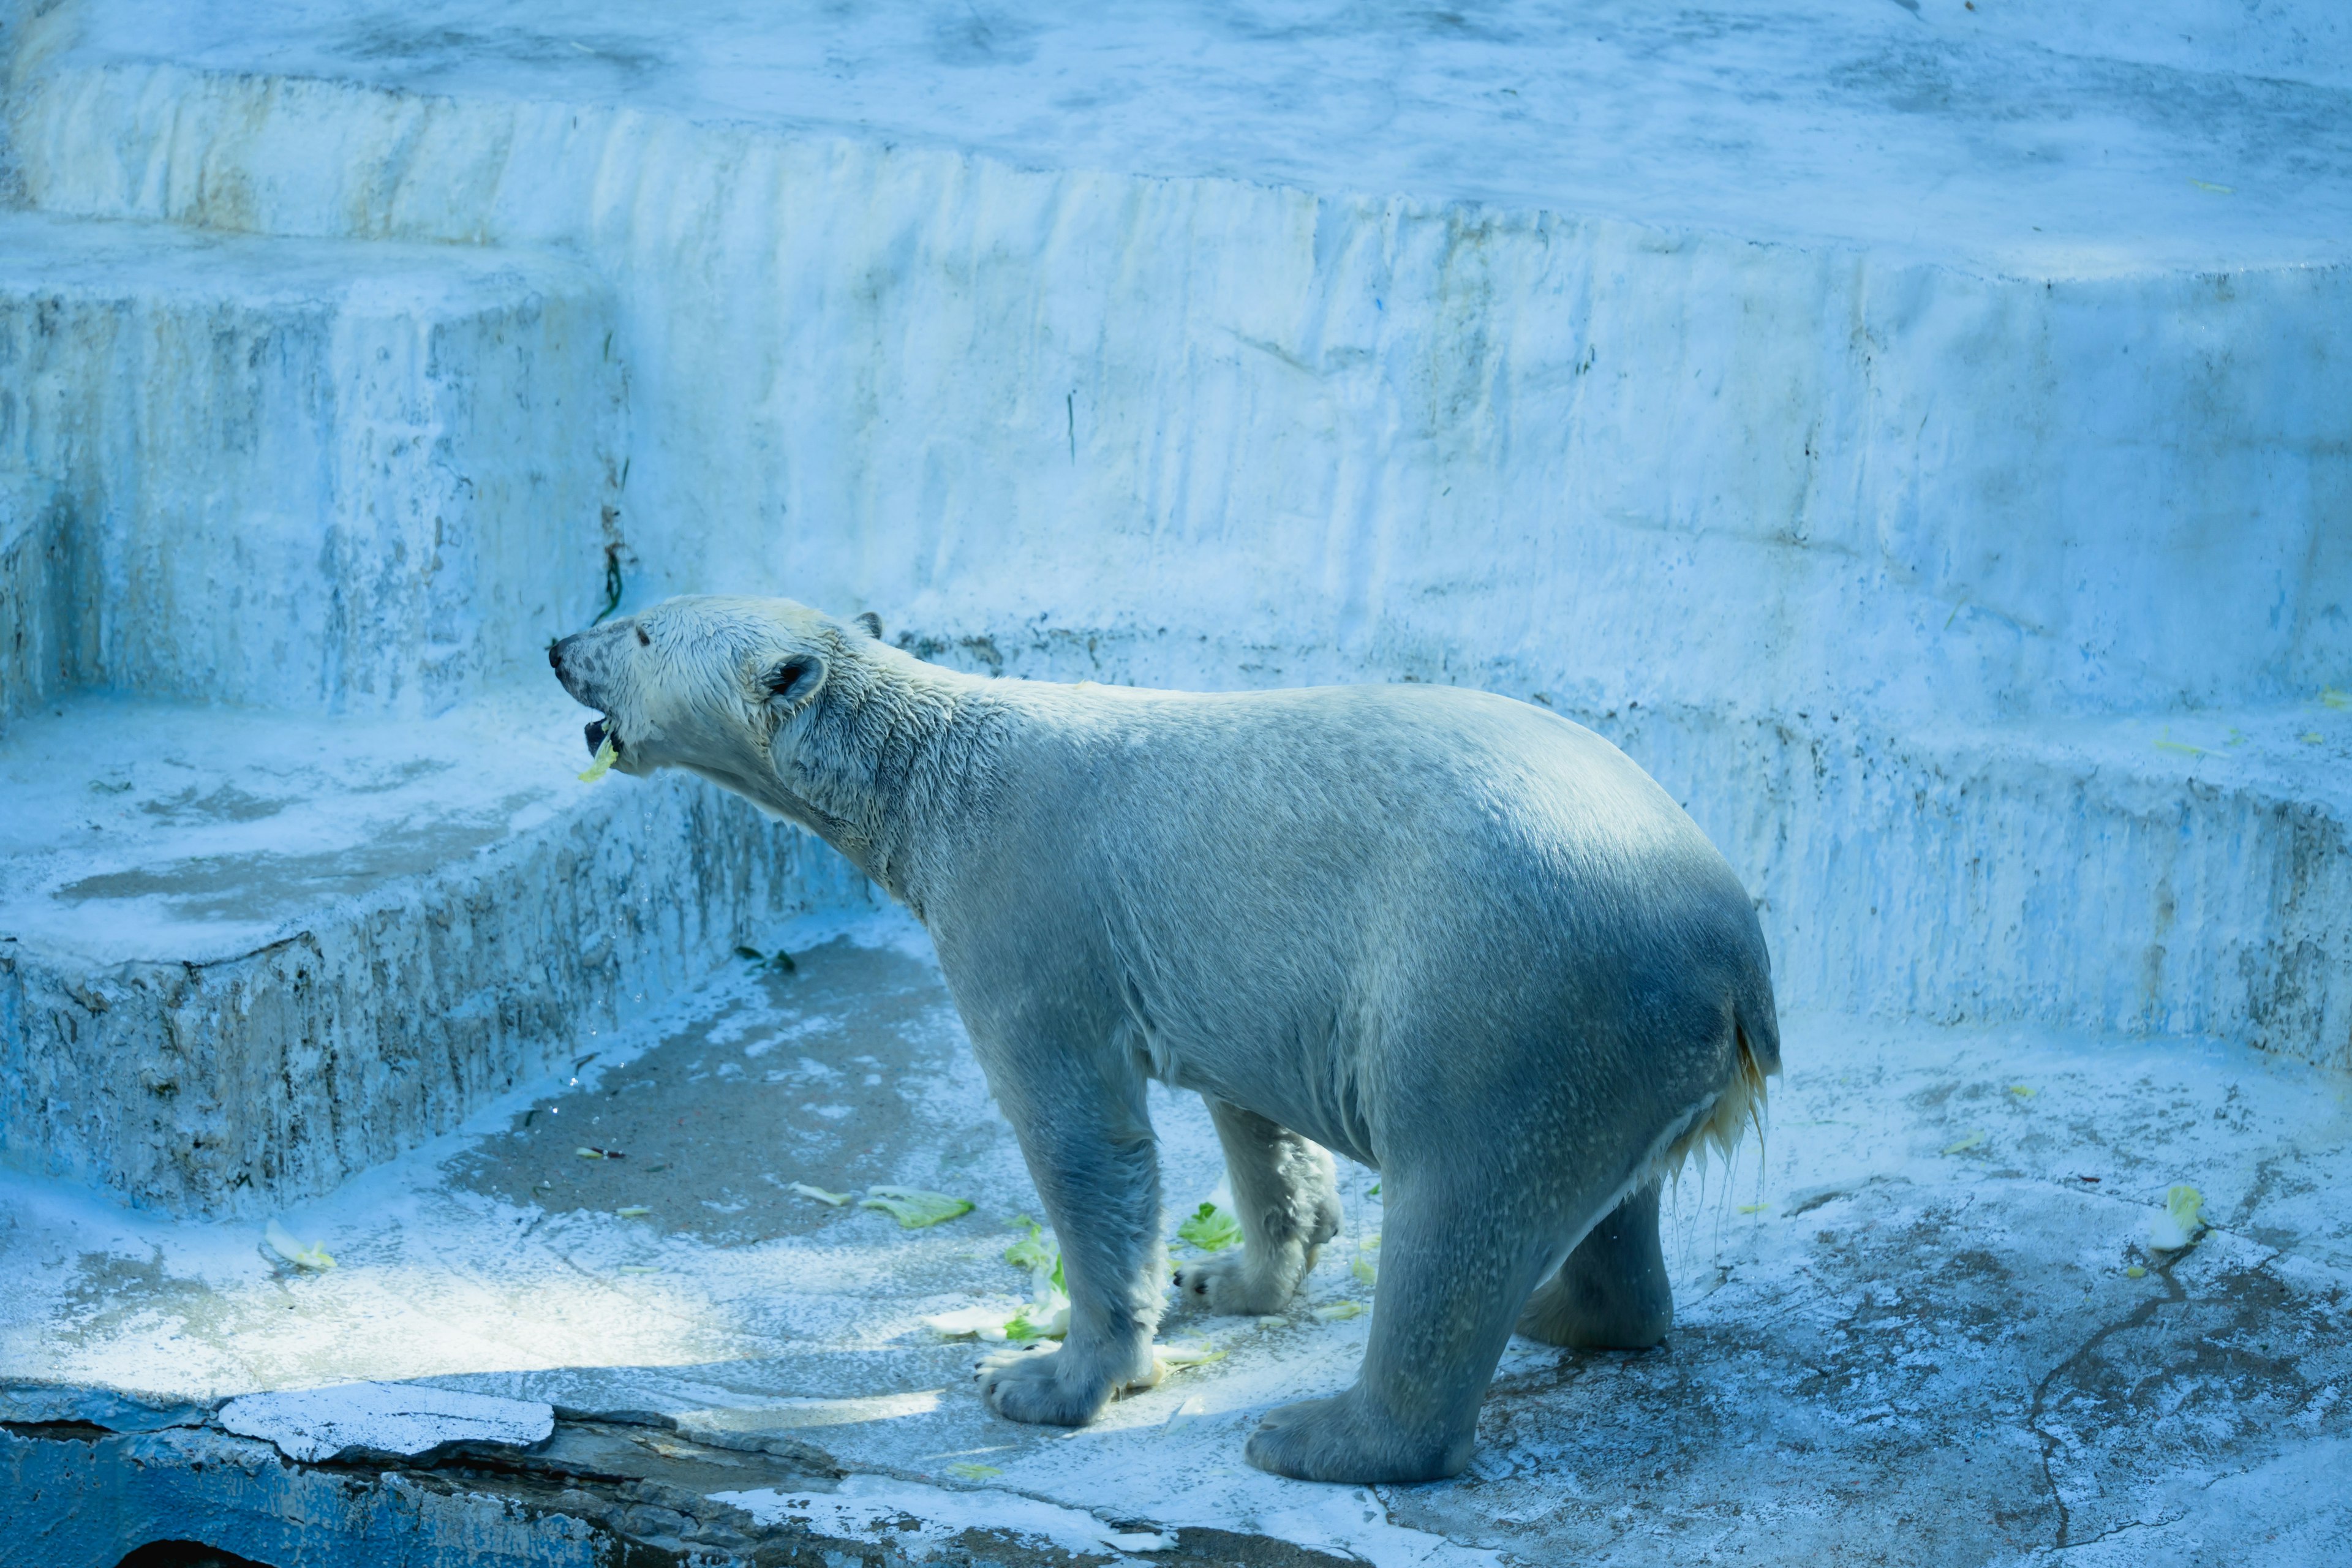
{"x": 896, "y": 753}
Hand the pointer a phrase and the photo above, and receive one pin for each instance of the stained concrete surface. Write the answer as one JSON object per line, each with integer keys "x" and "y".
{"x": 1907, "y": 1329}
{"x": 245, "y": 954}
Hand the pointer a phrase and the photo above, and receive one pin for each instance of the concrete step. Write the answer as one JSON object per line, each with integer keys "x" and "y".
{"x": 2181, "y": 874}
{"x": 1871, "y": 461}
{"x": 247, "y": 954}
{"x": 299, "y": 474}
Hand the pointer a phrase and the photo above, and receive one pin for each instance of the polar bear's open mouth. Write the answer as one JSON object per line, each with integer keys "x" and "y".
{"x": 600, "y": 729}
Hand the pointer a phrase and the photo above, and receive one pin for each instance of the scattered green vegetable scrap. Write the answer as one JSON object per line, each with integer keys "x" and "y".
{"x": 1340, "y": 1311}
{"x": 2175, "y": 1224}
{"x": 1974, "y": 1136}
{"x": 969, "y": 1322}
{"x": 1031, "y": 1253}
{"x": 634, "y": 1211}
{"x": 1754, "y": 1208}
{"x": 602, "y": 763}
{"x": 281, "y": 1241}
{"x": 914, "y": 1209}
{"x": 839, "y": 1200}
{"x": 1046, "y": 1318}
{"x": 1211, "y": 1228}
{"x": 968, "y": 1472}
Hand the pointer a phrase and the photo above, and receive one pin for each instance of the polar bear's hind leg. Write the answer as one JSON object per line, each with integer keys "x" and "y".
{"x": 1454, "y": 1267}
{"x": 1612, "y": 1292}
{"x": 1286, "y": 1194}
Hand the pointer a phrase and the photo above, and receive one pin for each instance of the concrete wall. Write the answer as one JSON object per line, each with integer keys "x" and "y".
{"x": 309, "y": 477}
{"x": 1792, "y": 503}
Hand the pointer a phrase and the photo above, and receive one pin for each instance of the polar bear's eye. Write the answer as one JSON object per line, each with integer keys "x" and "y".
{"x": 643, "y": 641}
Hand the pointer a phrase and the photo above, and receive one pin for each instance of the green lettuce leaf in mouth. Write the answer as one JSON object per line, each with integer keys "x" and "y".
{"x": 602, "y": 763}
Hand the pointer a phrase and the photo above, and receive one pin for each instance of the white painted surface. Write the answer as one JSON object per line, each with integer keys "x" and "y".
{"x": 1320, "y": 409}
{"x": 297, "y": 474}
{"x": 1364, "y": 433}
{"x": 1913, "y": 462}
{"x": 866, "y": 1505}
{"x": 315, "y": 1423}
{"x": 2020, "y": 131}
{"x": 1881, "y": 539}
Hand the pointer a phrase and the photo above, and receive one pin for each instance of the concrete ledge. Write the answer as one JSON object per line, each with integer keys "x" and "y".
{"x": 2179, "y": 874}
{"x": 1870, "y": 540}
{"x": 1683, "y": 460}
{"x": 297, "y": 474}
{"x": 250, "y": 955}
{"x": 595, "y": 1493}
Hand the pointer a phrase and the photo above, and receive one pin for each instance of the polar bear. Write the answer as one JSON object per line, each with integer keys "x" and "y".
{"x": 1451, "y": 936}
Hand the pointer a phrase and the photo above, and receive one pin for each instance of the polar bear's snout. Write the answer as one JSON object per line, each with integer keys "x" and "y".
{"x": 699, "y": 682}
{"x": 584, "y": 663}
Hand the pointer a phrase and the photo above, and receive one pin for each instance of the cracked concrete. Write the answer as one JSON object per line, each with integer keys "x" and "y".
{"x": 1908, "y": 1328}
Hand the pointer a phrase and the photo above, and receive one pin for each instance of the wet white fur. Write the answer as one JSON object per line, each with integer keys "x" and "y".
{"x": 1449, "y": 935}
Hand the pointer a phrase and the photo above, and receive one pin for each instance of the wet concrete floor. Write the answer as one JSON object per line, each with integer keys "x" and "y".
{"x": 1925, "y": 1324}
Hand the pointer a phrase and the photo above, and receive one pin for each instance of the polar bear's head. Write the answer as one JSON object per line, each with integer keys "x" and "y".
{"x": 708, "y": 684}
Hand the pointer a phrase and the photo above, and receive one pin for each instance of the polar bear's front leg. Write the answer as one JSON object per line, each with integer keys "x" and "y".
{"x": 1286, "y": 1194}
{"x": 1087, "y": 1137}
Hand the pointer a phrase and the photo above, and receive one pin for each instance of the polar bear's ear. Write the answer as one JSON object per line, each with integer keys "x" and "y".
{"x": 869, "y": 623}
{"x": 791, "y": 682}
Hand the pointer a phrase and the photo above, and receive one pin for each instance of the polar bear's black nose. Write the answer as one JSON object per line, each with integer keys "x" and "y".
{"x": 555, "y": 656}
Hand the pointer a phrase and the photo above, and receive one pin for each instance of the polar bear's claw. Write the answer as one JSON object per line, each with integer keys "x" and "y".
{"x": 1043, "y": 1387}
{"x": 1338, "y": 1440}
{"x": 1230, "y": 1285}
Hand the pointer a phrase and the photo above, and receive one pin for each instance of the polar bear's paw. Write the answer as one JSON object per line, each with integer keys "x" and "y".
{"x": 1052, "y": 1387}
{"x": 1233, "y": 1282}
{"x": 1345, "y": 1439}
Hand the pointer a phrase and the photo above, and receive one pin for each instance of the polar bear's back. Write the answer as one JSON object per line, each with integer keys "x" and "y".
{"x": 1325, "y": 785}
{"x": 1290, "y": 883}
